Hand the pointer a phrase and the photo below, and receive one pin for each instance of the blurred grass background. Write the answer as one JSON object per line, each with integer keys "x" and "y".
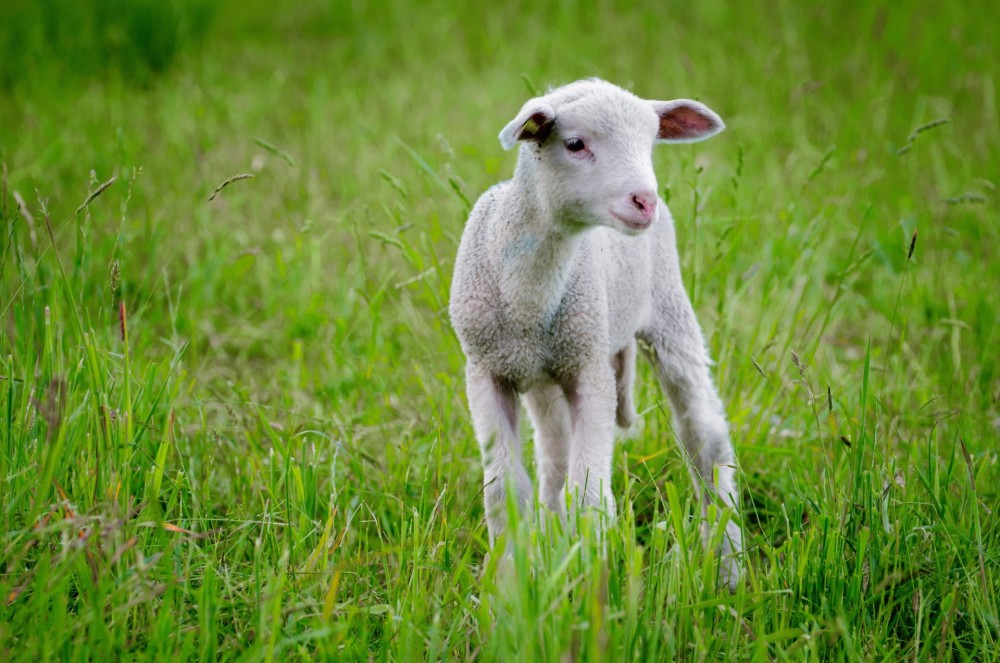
{"x": 279, "y": 462}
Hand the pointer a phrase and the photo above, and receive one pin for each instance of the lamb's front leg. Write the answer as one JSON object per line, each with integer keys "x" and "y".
{"x": 553, "y": 423}
{"x": 593, "y": 400}
{"x": 494, "y": 406}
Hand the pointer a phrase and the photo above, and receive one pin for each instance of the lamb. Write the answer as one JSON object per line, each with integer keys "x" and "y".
{"x": 560, "y": 270}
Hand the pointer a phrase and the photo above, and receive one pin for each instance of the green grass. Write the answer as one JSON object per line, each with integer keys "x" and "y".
{"x": 276, "y": 460}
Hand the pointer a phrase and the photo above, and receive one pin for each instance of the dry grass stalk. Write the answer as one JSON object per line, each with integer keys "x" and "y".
{"x": 26, "y": 213}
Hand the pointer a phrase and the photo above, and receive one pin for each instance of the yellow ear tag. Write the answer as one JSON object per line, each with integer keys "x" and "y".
{"x": 530, "y": 127}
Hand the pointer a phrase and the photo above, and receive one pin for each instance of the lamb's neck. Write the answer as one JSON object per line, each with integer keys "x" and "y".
{"x": 536, "y": 259}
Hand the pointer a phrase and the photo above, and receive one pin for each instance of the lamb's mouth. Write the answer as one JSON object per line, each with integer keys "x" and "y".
{"x": 632, "y": 223}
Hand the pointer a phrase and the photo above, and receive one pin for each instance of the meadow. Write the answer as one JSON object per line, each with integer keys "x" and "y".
{"x": 232, "y": 414}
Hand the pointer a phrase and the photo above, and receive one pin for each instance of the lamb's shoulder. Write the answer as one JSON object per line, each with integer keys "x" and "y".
{"x": 500, "y": 344}
{"x": 474, "y": 285}
{"x": 478, "y": 314}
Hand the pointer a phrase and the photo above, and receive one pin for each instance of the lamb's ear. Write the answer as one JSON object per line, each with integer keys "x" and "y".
{"x": 686, "y": 121}
{"x": 534, "y": 122}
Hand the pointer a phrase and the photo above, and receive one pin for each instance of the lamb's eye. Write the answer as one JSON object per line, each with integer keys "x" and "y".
{"x": 574, "y": 145}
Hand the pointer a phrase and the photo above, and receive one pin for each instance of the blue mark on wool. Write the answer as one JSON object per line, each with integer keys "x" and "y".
{"x": 519, "y": 247}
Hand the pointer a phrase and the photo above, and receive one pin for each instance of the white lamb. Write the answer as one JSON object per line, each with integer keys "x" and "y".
{"x": 559, "y": 271}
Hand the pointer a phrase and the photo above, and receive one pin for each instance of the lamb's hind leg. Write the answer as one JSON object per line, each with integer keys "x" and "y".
{"x": 623, "y": 362}
{"x": 550, "y": 415}
{"x": 494, "y": 407}
{"x": 699, "y": 419}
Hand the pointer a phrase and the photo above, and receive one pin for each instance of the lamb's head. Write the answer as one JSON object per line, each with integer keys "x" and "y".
{"x": 588, "y": 147}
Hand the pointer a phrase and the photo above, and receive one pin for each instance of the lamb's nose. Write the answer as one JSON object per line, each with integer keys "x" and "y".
{"x": 645, "y": 202}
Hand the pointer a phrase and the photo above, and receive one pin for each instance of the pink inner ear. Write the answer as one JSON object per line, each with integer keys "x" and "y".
{"x": 683, "y": 122}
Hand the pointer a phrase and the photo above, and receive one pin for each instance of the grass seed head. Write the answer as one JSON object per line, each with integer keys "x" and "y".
{"x": 115, "y": 275}
{"x": 95, "y": 193}
{"x": 234, "y": 178}
{"x": 798, "y": 364}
